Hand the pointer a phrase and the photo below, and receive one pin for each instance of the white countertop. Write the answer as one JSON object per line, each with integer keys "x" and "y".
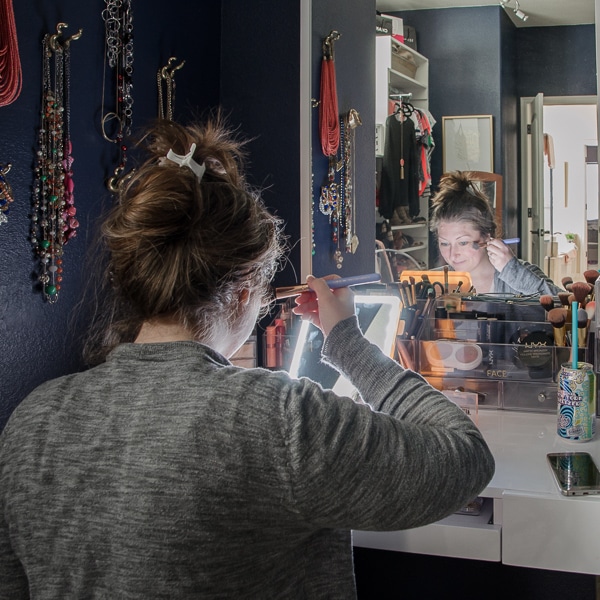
{"x": 534, "y": 525}
{"x": 519, "y": 442}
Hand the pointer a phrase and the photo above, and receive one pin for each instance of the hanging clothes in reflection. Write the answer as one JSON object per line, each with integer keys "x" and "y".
{"x": 399, "y": 193}
{"x": 406, "y": 171}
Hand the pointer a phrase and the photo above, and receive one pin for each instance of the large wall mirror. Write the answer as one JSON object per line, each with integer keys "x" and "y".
{"x": 501, "y": 60}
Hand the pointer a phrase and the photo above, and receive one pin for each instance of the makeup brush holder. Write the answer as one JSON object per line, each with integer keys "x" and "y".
{"x": 503, "y": 352}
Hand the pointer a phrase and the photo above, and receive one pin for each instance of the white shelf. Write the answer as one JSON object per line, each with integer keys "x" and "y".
{"x": 414, "y": 248}
{"x": 411, "y": 226}
{"x": 386, "y": 77}
{"x": 389, "y": 55}
{"x": 406, "y": 84}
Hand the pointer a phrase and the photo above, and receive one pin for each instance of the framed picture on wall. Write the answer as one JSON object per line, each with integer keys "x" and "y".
{"x": 468, "y": 143}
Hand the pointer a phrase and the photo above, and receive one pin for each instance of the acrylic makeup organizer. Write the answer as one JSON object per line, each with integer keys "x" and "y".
{"x": 489, "y": 353}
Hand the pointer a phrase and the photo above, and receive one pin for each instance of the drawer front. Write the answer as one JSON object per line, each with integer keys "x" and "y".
{"x": 551, "y": 532}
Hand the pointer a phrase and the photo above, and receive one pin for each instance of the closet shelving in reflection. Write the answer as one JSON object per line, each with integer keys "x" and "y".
{"x": 402, "y": 73}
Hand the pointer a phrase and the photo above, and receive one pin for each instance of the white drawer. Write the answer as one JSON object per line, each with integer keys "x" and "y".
{"x": 551, "y": 532}
{"x": 460, "y": 536}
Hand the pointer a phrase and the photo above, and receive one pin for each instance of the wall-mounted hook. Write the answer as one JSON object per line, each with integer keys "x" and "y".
{"x": 74, "y": 37}
{"x": 328, "y": 42}
{"x": 54, "y": 37}
{"x": 54, "y": 44}
{"x": 168, "y": 71}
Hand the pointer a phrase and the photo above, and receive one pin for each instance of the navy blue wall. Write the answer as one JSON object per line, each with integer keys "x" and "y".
{"x": 558, "y": 61}
{"x": 39, "y": 341}
{"x": 355, "y": 75}
{"x": 463, "y": 48}
{"x": 274, "y": 120}
{"x": 260, "y": 48}
{"x": 251, "y": 66}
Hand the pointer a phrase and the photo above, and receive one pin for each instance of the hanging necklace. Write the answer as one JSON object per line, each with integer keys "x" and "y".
{"x": 330, "y": 134}
{"x": 352, "y": 121}
{"x": 118, "y": 21}
{"x": 6, "y": 195}
{"x": 337, "y": 223}
{"x": 165, "y": 77}
{"x": 53, "y": 216}
{"x": 11, "y": 76}
{"x": 328, "y": 107}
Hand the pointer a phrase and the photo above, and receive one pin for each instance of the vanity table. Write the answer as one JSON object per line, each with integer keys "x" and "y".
{"x": 524, "y": 521}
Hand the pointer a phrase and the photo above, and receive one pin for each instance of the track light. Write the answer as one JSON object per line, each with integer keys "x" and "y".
{"x": 519, "y": 12}
{"x": 517, "y": 9}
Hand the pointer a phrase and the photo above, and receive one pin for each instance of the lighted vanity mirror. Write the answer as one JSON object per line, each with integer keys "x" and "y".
{"x": 378, "y": 320}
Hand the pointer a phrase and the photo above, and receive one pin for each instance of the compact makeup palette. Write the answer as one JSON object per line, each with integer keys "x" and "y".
{"x": 449, "y": 354}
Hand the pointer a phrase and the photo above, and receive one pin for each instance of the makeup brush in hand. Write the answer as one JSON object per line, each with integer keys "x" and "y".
{"x": 558, "y": 318}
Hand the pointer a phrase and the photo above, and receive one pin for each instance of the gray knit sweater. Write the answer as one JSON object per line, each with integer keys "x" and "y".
{"x": 521, "y": 277}
{"x": 168, "y": 473}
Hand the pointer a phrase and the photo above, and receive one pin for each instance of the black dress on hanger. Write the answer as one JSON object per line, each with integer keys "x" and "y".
{"x": 399, "y": 186}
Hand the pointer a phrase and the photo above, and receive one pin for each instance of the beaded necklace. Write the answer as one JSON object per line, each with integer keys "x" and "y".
{"x": 330, "y": 134}
{"x": 53, "y": 215}
{"x": 351, "y": 122}
{"x": 6, "y": 195}
{"x": 118, "y": 21}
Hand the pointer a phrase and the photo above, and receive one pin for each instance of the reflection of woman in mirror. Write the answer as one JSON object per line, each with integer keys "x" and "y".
{"x": 463, "y": 223}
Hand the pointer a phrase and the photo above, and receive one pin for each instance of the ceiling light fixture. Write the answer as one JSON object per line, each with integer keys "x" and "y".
{"x": 519, "y": 12}
{"x": 517, "y": 9}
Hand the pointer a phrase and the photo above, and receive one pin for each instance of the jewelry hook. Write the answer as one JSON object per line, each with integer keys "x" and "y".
{"x": 176, "y": 68}
{"x": 54, "y": 36}
{"x": 113, "y": 183}
{"x": 168, "y": 71}
{"x": 74, "y": 37}
{"x": 105, "y": 119}
{"x": 333, "y": 36}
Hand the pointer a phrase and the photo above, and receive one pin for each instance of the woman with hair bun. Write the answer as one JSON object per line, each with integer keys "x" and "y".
{"x": 167, "y": 472}
{"x": 467, "y": 236}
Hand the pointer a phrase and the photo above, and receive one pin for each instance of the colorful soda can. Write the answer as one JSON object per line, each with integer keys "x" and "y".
{"x": 576, "y": 402}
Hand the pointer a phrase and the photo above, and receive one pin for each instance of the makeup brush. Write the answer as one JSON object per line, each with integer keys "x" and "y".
{"x": 582, "y": 327}
{"x": 446, "y": 279}
{"x": 507, "y": 241}
{"x": 591, "y": 275}
{"x": 566, "y": 281}
{"x": 564, "y": 298}
{"x": 581, "y": 290}
{"x": 558, "y": 318}
{"x": 547, "y": 302}
{"x": 590, "y": 309}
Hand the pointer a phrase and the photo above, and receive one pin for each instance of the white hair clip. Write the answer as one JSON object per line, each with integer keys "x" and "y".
{"x": 187, "y": 161}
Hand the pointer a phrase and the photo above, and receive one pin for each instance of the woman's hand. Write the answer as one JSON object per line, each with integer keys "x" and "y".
{"x": 323, "y": 306}
{"x": 499, "y": 254}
